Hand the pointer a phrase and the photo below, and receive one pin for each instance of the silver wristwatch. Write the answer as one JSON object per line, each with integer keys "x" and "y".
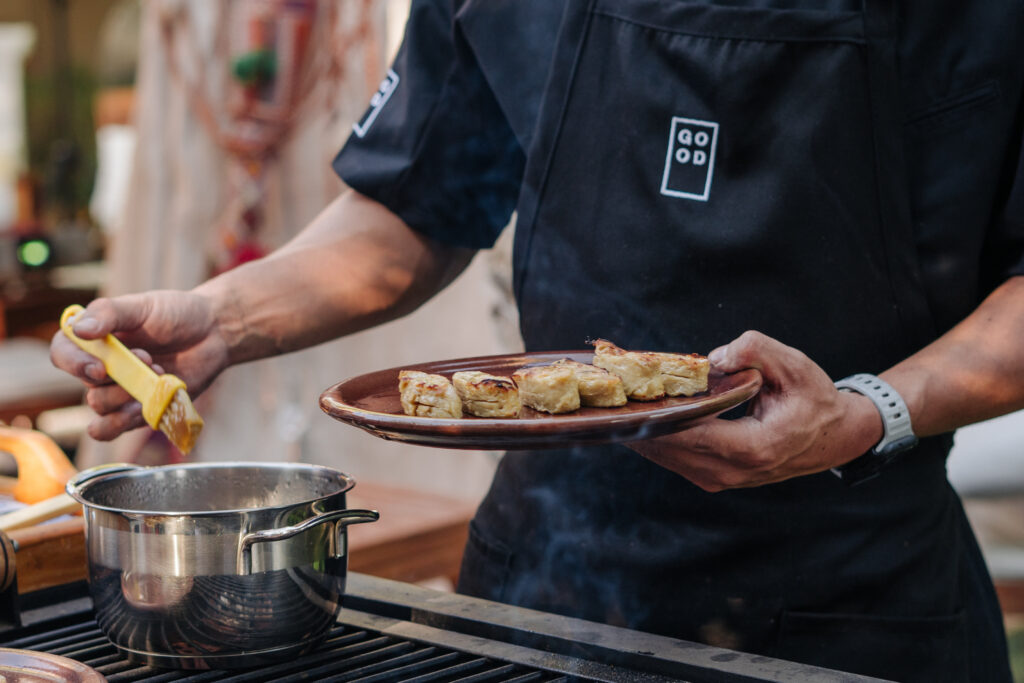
{"x": 898, "y": 435}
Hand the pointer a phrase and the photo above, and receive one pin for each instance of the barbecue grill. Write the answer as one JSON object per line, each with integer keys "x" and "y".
{"x": 392, "y": 631}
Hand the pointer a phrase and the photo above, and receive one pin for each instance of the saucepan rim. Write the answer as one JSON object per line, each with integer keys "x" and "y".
{"x": 79, "y": 485}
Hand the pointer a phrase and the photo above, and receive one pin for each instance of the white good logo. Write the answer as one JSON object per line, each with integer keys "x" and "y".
{"x": 690, "y": 160}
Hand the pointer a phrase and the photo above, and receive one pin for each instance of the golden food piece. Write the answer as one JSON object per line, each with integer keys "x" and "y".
{"x": 486, "y": 395}
{"x": 426, "y": 395}
{"x": 548, "y": 388}
{"x": 683, "y": 374}
{"x": 640, "y": 371}
{"x": 598, "y": 387}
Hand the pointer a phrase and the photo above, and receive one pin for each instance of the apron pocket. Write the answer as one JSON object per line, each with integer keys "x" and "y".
{"x": 902, "y": 649}
{"x": 954, "y": 110}
{"x": 485, "y": 566}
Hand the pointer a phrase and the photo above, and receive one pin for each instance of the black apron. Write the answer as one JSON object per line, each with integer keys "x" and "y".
{"x": 698, "y": 170}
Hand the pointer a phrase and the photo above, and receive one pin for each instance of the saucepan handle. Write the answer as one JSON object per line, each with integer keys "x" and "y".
{"x": 342, "y": 517}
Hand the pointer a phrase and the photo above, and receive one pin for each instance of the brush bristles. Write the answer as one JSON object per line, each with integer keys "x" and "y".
{"x": 181, "y": 423}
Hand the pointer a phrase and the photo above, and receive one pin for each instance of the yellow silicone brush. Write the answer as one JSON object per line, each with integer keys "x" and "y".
{"x": 164, "y": 398}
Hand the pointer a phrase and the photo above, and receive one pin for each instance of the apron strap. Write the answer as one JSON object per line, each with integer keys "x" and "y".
{"x": 575, "y": 23}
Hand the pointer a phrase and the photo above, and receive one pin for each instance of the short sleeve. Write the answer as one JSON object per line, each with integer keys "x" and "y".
{"x": 434, "y": 145}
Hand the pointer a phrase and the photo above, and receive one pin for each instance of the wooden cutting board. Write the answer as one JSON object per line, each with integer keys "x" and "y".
{"x": 50, "y": 554}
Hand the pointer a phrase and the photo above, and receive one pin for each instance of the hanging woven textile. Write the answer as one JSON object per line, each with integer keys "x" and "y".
{"x": 277, "y": 59}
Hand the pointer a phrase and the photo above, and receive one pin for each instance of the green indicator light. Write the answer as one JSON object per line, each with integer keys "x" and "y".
{"x": 34, "y": 253}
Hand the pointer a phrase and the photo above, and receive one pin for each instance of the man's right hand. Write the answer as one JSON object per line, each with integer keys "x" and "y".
{"x": 173, "y": 331}
{"x": 355, "y": 266}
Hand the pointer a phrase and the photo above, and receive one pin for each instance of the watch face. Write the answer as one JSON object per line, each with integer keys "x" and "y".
{"x": 871, "y": 464}
{"x": 861, "y": 469}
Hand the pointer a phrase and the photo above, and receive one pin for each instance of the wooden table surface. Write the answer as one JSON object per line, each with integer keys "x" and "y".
{"x": 419, "y": 535}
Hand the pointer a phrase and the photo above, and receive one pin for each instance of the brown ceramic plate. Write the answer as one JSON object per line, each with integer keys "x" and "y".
{"x": 26, "y": 666}
{"x": 370, "y": 402}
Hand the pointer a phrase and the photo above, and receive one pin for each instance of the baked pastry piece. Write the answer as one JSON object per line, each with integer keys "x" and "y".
{"x": 426, "y": 395}
{"x": 598, "y": 387}
{"x": 486, "y": 395}
{"x": 640, "y": 371}
{"x": 683, "y": 374}
{"x": 548, "y": 388}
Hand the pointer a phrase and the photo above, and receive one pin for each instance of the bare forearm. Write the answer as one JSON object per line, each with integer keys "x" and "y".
{"x": 973, "y": 372}
{"x": 355, "y": 266}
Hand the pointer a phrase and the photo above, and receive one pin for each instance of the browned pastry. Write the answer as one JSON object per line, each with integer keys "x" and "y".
{"x": 640, "y": 371}
{"x": 548, "y": 388}
{"x": 426, "y": 395}
{"x": 486, "y": 395}
{"x": 683, "y": 374}
{"x": 598, "y": 387}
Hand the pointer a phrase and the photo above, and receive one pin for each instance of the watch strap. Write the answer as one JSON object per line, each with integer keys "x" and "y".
{"x": 898, "y": 434}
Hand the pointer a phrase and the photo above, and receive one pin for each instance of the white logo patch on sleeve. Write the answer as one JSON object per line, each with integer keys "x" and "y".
{"x": 690, "y": 160}
{"x": 377, "y": 102}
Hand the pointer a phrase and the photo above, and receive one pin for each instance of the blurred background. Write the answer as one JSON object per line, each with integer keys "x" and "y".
{"x": 155, "y": 144}
{"x": 152, "y": 145}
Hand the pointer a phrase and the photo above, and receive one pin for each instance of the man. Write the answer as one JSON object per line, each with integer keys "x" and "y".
{"x": 846, "y": 180}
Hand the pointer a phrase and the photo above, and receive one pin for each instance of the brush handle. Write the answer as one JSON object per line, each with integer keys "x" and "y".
{"x": 154, "y": 392}
{"x": 123, "y": 366}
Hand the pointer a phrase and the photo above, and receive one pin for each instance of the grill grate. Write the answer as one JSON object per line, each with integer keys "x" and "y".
{"x": 348, "y": 654}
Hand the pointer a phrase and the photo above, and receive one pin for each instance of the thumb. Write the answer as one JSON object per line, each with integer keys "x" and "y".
{"x": 751, "y": 349}
{"x": 105, "y": 316}
{"x": 746, "y": 351}
{"x": 779, "y": 364}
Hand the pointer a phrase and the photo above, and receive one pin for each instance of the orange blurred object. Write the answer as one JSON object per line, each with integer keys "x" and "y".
{"x": 43, "y": 468}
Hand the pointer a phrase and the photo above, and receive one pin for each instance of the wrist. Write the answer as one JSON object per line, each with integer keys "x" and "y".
{"x": 227, "y": 324}
{"x": 865, "y": 427}
{"x": 897, "y": 432}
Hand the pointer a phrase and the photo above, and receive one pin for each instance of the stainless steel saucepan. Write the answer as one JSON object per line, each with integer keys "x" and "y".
{"x": 214, "y": 565}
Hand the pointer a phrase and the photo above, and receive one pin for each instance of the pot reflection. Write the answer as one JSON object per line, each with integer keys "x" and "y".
{"x": 149, "y": 591}
{"x": 207, "y": 621}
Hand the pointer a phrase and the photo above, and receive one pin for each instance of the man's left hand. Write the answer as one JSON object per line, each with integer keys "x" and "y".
{"x": 798, "y": 424}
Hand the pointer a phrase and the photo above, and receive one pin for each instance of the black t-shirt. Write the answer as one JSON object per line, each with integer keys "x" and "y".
{"x": 446, "y": 146}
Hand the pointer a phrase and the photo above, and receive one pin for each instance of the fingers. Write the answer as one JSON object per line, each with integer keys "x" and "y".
{"x": 107, "y": 399}
{"x": 118, "y": 411}
{"x": 114, "y": 424}
{"x": 68, "y": 357}
{"x": 716, "y": 455}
